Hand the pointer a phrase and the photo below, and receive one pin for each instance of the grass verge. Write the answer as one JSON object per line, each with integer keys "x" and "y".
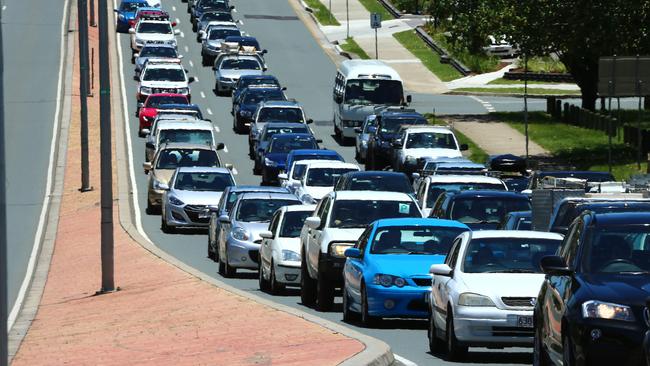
{"x": 476, "y": 154}
{"x": 583, "y": 148}
{"x": 503, "y": 81}
{"x": 374, "y": 6}
{"x": 429, "y": 58}
{"x": 351, "y": 46}
{"x": 321, "y": 13}
{"x": 520, "y": 91}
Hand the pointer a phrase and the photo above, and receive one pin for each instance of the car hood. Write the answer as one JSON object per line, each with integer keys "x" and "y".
{"x": 498, "y": 285}
{"x": 317, "y": 193}
{"x": 620, "y": 289}
{"x": 154, "y": 37}
{"x": 433, "y": 153}
{"x": 164, "y": 84}
{"x": 279, "y": 158}
{"x": 163, "y": 175}
{"x": 292, "y": 244}
{"x": 347, "y": 234}
{"x": 205, "y": 198}
{"x": 405, "y": 265}
{"x": 254, "y": 228}
{"x": 236, "y": 74}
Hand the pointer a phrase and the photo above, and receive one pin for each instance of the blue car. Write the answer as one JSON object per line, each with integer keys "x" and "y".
{"x": 275, "y": 155}
{"x": 126, "y": 12}
{"x": 307, "y": 154}
{"x": 386, "y": 274}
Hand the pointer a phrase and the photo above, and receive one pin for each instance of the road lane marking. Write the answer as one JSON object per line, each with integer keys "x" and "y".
{"x": 182, "y": 34}
{"x": 4, "y": 7}
{"x": 202, "y": 95}
{"x": 187, "y": 49}
{"x": 217, "y": 129}
{"x": 196, "y": 79}
{"x": 177, "y": 20}
{"x": 191, "y": 63}
{"x": 225, "y": 149}
{"x": 234, "y": 171}
{"x": 486, "y": 105}
{"x": 173, "y": 8}
{"x": 404, "y": 361}
{"x": 31, "y": 263}
{"x": 209, "y": 111}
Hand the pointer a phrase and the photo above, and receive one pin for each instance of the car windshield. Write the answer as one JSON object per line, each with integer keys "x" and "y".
{"x": 360, "y": 213}
{"x": 392, "y": 125}
{"x": 524, "y": 223}
{"x": 174, "y": 158}
{"x": 292, "y": 223}
{"x": 261, "y": 210}
{"x": 325, "y": 177}
{"x": 131, "y": 7}
{"x": 222, "y": 33}
{"x": 220, "y": 16}
{"x": 507, "y": 255}
{"x": 391, "y": 183}
{"x": 431, "y": 140}
{"x": 201, "y": 181}
{"x": 486, "y": 210}
{"x": 256, "y": 97}
{"x": 286, "y": 145}
{"x": 166, "y": 52}
{"x": 373, "y": 91}
{"x": 275, "y": 114}
{"x": 436, "y": 189}
{"x": 155, "y": 101}
{"x": 617, "y": 249}
{"x": 414, "y": 240}
{"x": 240, "y": 64}
{"x": 164, "y": 74}
{"x": 249, "y": 43}
{"x": 162, "y": 28}
{"x": 187, "y": 136}
{"x": 280, "y": 130}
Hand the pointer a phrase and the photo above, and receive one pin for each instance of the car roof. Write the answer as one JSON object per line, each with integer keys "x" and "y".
{"x": 444, "y": 178}
{"x": 309, "y": 161}
{"x": 582, "y": 174}
{"x": 203, "y": 169}
{"x": 486, "y": 193}
{"x": 186, "y": 125}
{"x": 373, "y": 173}
{"x": 279, "y": 103}
{"x": 314, "y": 152}
{"x": 244, "y": 188}
{"x": 158, "y": 45}
{"x": 481, "y": 234}
{"x": 167, "y": 95}
{"x": 621, "y": 219}
{"x": 416, "y": 221}
{"x": 240, "y": 38}
{"x": 284, "y": 124}
{"x": 184, "y": 145}
{"x": 357, "y": 69}
{"x": 164, "y": 65}
{"x": 460, "y": 164}
{"x": 268, "y": 195}
{"x": 154, "y": 21}
{"x": 294, "y": 208}
{"x": 400, "y": 113}
{"x": 264, "y": 76}
{"x": 372, "y": 196}
{"x": 288, "y": 136}
{"x": 331, "y": 164}
{"x": 426, "y": 128}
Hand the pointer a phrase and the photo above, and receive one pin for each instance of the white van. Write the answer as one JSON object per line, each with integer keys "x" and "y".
{"x": 362, "y": 88}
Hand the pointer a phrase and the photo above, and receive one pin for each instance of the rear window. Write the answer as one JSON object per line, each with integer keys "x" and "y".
{"x": 486, "y": 210}
{"x": 360, "y": 213}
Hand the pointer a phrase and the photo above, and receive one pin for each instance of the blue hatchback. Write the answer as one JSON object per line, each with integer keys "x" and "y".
{"x": 386, "y": 274}
{"x": 274, "y": 157}
{"x": 126, "y": 12}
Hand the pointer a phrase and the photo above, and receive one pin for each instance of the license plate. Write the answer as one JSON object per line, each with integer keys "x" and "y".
{"x": 204, "y": 215}
{"x": 525, "y": 321}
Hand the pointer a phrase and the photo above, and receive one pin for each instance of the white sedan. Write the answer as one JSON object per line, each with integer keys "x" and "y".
{"x": 485, "y": 292}
{"x": 320, "y": 177}
{"x": 280, "y": 249}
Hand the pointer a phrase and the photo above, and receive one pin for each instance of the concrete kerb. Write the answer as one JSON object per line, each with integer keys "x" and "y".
{"x": 375, "y": 353}
{"x": 33, "y": 296}
{"x": 513, "y": 95}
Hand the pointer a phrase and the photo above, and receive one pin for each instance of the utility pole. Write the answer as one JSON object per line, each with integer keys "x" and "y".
{"x": 4, "y": 339}
{"x": 84, "y": 84}
{"x": 347, "y": 16}
{"x": 108, "y": 283}
{"x": 92, "y": 13}
{"x": 526, "y": 104}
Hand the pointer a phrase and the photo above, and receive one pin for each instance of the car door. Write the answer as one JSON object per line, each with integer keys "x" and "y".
{"x": 440, "y": 285}
{"x": 225, "y": 231}
{"x": 213, "y": 228}
{"x": 309, "y": 237}
{"x": 354, "y": 267}
{"x": 317, "y": 234}
{"x": 266, "y": 249}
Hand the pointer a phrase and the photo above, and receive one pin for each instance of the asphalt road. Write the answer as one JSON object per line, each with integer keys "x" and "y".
{"x": 307, "y": 72}
{"x": 31, "y": 46}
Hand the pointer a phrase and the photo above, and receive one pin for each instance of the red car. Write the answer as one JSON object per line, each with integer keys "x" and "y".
{"x": 148, "y": 110}
{"x": 149, "y": 14}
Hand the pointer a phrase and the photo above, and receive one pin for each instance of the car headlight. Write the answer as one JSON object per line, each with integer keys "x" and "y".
{"x": 389, "y": 280}
{"x": 224, "y": 79}
{"x": 183, "y": 91}
{"x": 156, "y": 184}
{"x": 384, "y": 144}
{"x": 364, "y": 143}
{"x": 269, "y": 162}
{"x": 172, "y": 42}
{"x": 410, "y": 159}
{"x": 120, "y": 16}
{"x": 338, "y": 249}
{"x": 145, "y": 90}
{"x": 604, "y": 310}
{"x": 470, "y": 299}
{"x": 239, "y": 233}
{"x": 245, "y": 113}
{"x": 290, "y": 255}
{"x": 175, "y": 201}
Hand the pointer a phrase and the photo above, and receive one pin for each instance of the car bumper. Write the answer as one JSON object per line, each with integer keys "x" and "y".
{"x": 155, "y": 196}
{"x": 619, "y": 343}
{"x": 210, "y": 52}
{"x": 405, "y": 302}
{"x": 146, "y": 122}
{"x": 288, "y": 273}
{"x": 332, "y": 268}
{"x": 186, "y": 216}
{"x": 490, "y": 326}
{"x": 348, "y": 132}
{"x": 223, "y": 85}
{"x": 242, "y": 254}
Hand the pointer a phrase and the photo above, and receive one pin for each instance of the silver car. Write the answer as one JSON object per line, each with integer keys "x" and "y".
{"x": 154, "y": 52}
{"x": 211, "y": 39}
{"x": 211, "y": 16}
{"x": 229, "y": 68}
{"x": 363, "y": 135}
{"x": 239, "y": 244}
{"x": 191, "y": 191}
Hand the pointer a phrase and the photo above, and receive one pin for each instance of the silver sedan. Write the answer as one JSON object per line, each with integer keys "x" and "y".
{"x": 363, "y": 135}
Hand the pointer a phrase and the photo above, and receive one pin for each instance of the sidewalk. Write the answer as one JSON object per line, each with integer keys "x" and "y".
{"x": 161, "y": 315}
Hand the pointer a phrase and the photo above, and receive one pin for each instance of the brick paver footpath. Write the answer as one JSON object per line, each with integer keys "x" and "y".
{"x": 162, "y": 315}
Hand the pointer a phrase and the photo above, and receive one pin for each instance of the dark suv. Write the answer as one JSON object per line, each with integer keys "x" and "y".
{"x": 380, "y": 143}
{"x": 570, "y": 208}
{"x": 591, "y": 308}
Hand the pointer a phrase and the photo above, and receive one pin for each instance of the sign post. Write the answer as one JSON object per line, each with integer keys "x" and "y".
{"x": 375, "y": 23}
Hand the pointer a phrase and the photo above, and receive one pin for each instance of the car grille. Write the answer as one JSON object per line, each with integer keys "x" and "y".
{"x": 417, "y": 305}
{"x": 164, "y": 90}
{"x": 520, "y": 302}
{"x": 422, "y": 281}
{"x": 512, "y": 332}
{"x": 254, "y": 255}
{"x": 193, "y": 211}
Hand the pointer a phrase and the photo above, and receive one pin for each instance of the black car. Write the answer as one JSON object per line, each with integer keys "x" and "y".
{"x": 246, "y": 103}
{"x": 591, "y": 308}
{"x": 246, "y": 80}
{"x": 202, "y": 6}
{"x": 374, "y": 181}
{"x": 210, "y": 16}
{"x": 480, "y": 210}
{"x": 380, "y": 143}
{"x": 269, "y": 130}
{"x": 568, "y": 209}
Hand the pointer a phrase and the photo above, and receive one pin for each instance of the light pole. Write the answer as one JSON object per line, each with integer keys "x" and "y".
{"x": 4, "y": 344}
{"x": 526, "y": 103}
{"x": 347, "y": 18}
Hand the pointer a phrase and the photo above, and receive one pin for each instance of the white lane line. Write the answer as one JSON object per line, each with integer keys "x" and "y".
{"x": 196, "y": 79}
{"x": 202, "y": 95}
{"x": 217, "y": 129}
{"x": 404, "y": 360}
{"x": 234, "y": 171}
{"x": 129, "y": 144}
{"x": 177, "y": 21}
{"x": 209, "y": 111}
{"x": 191, "y": 63}
{"x": 182, "y": 34}
{"x": 489, "y": 107}
{"x": 31, "y": 263}
{"x": 173, "y": 8}
{"x": 4, "y": 7}
{"x": 225, "y": 149}
{"x": 187, "y": 49}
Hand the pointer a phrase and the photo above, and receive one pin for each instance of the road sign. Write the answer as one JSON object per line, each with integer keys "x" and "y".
{"x": 626, "y": 76}
{"x": 375, "y": 20}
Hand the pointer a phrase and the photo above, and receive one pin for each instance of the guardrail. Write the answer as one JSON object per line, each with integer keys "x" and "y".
{"x": 391, "y": 8}
{"x": 445, "y": 56}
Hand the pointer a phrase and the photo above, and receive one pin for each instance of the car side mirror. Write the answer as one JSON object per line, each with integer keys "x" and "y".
{"x": 266, "y": 235}
{"x": 415, "y": 175}
{"x": 409, "y": 99}
{"x": 319, "y": 141}
{"x": 163, "y": 186}
{"x": 397, "y": 143}
{"x": 149, "y": 145}
{"x": 190, "y": 80}
{"x": 220, "y": 146}
{"x": 312, "y": 222}
{"x": 131, "y": 30}
{"x": 310, "y": 121}
{"x": 180, "y": 56}
{"x": 136, "y": 55}
{"x": 146, "y": 131}
{"x": 177, "y": 32}
{"x": 338, "y": 99}
{"x": 284, "y": 88}
{"x": 264, "y": 52}
{"x": 464, "y": 147}
{"x": 358, "y": 130}
{"x": 136, "y": 77}
{"x": 440, "y": 269}
{"x": 265, "y": 68}
{"x": 146, "y": 166}
{"x": 352, "y": 253}
{"x": 116, "y": 10}
{"x": 240, "y": 22}
{"x": 228, "y": 166}
{"x": 173, "y": 24}
{"x": 232, "y": 7}
{"x": 224, "y": 219}
{"x": 283, "y": 176}
{"x": 555, "y": 266}
{"x": 140, "y": 105}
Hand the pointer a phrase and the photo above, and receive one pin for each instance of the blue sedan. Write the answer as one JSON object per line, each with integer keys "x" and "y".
{"x": 126, "y": 12}
{"x": 386, "y": 274}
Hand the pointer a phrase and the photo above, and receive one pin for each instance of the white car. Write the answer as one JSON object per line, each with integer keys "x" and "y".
{"x": 280, "y": 249}
{"x": 335, "y": 225}
{"x": 415, "y": 142}
{"x": 151, "y": 31}
{"x": 193, "y": 132}
{"x": 320, "y": 177}
{"x": 430, "y": 187}
{"x": 485, "y": 292}
{"x": 163, "y": 77}
{"x": 291, "y": 180}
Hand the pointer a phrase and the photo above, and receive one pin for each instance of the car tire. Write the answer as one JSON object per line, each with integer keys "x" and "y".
{"x": 275, "y": 287}
{"x": 540, "y": 356}
{"x": 324, "y": 293}
{"x": 167, "y": 229}
{"x": 307, "y": 285}
{"x": 366, "y": 319}
{"x": 455, "y": 351}
{"x": 227, "y": 271}
{"x": 194, "y": 29}
{"x": 435, "y": 343}
{"x": 348, "y": 315}
{"x": 205, "y": 60}
{"x": 222, "y": 267}
{"x": 140, "y": 133}
{"x": 264, "y": 283}
{"x": 357, "y": 156}
{"x": 151, "y": 209}
{"x": 257, "y": 170}
{"x": 337, "y": 132}
{"x": 568, "y": 358}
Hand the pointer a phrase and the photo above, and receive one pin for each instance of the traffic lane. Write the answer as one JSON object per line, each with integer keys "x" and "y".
{"x": 30, "y": 103}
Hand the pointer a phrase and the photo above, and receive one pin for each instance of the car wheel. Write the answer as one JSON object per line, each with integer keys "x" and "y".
{"x": 325, "y": 293}
{"x": 307, "y": 285}
{"x": 337, "y": 131}
{"x": 222, "y": 267}
{"x": 348, "y": 315}
{"x": 133, "y": 57}
{"x": 455, "y": 352}
{"x": 151, "y": 209}
{"x": 435, "y": 343}
{"x": 167, "y": 229}
{"x": 540, "y": 357}
{"x": 357, "y": 156}
{"x": 568, "y": 358}
{"x": 264, "y": 283}
{"x": 194, "y": 29}
{"x": 205, "y": 60}
{"x": 211, "y": 253}
{"x": 366, "y": 319}
{"x": 275, "y": 286}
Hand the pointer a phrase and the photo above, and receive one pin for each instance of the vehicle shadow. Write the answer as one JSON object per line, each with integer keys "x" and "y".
{"x": 410, "y": 324}
{"x": 488, "y": 357}
{"x": 192, "y": 231}
{"x": 342, "y": 141}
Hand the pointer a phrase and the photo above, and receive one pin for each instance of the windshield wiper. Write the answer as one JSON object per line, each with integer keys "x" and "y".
{"x": 416, "y": 252}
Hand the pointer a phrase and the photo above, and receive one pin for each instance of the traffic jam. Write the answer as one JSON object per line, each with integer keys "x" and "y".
{"x": 489, "y": 254}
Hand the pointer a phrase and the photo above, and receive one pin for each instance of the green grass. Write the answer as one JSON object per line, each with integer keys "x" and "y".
{"x": 322, "y": 13}
{"x": 476, "y": 154}
{"x": 538, "y": 91}
{"x": 374, "y": 6}
{"x": 478, "y": 63}
{"x": 543, "y": 64}
{"x": 429, "y": 58}
{"x": 351, "y": 46}
{"x": 585, "y": 149}
{"x": 503, "y": 81}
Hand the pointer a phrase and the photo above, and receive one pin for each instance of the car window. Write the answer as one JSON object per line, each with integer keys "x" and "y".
{"x": 164, "y": 74}
{"x": 325, "y": 177}
{"x": 240, "y": 64}
{"x": 162, "y": 28}
{"x": 390, "y": 183}
{"x": 292, "y": 223}
{"x": 570, "y": 243}
{"x": 414, "y": 240}
{"x": 452, "y": 258}
{"x": 222, "y": 33}
{"x": 359, "y": 213}
{"x": 273, "y": 225}
{"x": 276, "y": 114}
{"x": 507, "y": 255}
{"x": 430, "y": 140}
{"x": 363, "y": 239}
{"x": 298, "y": 171}
{"x": 201, "y": 181}
{"x": 435, "y": 189}
{"x": 485, "y": 210}
{"x": 158, "y": 52}
{"x": 186, "y": 136}
{"x": 261, "y": 210}
{"x": 174, "y": 158}
{"x": 285, "y": 145}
